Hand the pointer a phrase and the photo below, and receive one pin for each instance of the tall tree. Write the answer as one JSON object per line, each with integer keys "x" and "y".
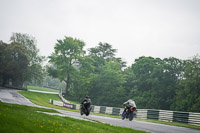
{"x": 188, "y": 97}
{"x": 103, "y": 50}
{"x": 4, "y": 60}
{"x": 66, "y": 59}
{"x": 14, "y": 63}
{"x": 18, "y": 63}
{"x": 82, "y": 83}
{"x": 35, "y": 70}
{"x": 172, "y": 76}
{"x": 155, "y": 82}
{"x": 101, "y": 53}
{"x": 108, "y": 85}
{"x": 142, "y": 91}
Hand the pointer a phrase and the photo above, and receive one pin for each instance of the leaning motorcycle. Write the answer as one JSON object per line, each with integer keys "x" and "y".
{"x": 129, "y": 113}
{"x": 84, "y": 110}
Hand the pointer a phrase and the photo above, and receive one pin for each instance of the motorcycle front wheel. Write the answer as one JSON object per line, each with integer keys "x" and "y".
{"x": 123, "y": 115}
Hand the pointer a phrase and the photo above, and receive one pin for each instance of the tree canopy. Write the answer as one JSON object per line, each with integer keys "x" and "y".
{"x": 20, "y": 61}
{"x": 65, "y": 60}
{"x": 154, "y": 83}
{"x": 169, "y": 83}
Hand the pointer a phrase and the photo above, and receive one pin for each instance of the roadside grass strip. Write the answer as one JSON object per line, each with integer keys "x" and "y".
{"x": 43, "y": 100}
{"x": 22, "y": 119}
{"x": 42, "y": 89}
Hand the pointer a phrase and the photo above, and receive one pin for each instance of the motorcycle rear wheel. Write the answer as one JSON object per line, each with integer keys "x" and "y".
{"x": 131, "y": 116}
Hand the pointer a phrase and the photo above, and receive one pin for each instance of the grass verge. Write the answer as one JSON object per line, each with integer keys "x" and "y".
{"x": 43, "y": 100}
{"x": 23, "y": 119}
{"x": 42, "y": 89}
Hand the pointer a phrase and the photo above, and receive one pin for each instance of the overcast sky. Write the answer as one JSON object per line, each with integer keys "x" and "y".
{"x": 157, "y": 28}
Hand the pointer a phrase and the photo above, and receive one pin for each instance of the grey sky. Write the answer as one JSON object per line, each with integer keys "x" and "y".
{"x": 158, "y": 28}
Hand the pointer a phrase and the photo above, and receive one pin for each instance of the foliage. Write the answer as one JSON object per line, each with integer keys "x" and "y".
{"x": 155, "y": 81}
{"x": 103, "y": 50}
{"x": 168, "y": 83}
{"x": 82, "y": 83}
{"x": 151, "y": 82}
{"x": 188, "y": 97}
{"x": 107, "y": 85}
{"x": 35, "y": 72}
{"x": 14, "y": 63}
{"x": 65, "y": 60}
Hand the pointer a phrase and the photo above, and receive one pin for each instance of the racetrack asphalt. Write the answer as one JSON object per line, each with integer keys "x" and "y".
{"x": 12, "y": 96}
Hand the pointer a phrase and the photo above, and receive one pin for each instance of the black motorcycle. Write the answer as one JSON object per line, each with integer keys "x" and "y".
{"x": 84, "y": 110}
{"x": 129, "y": 113}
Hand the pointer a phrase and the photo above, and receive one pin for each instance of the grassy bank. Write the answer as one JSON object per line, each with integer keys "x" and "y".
{"x": 42, "y": 89}
{"x": 43, "y": 100}
{"x": 23, "y": 119}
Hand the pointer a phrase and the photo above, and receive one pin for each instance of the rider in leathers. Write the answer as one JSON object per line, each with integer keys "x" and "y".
{"x": 86, "y": 103}
{"x": 129, "y": 104}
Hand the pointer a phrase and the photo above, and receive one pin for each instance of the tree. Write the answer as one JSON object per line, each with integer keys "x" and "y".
{"x": 188, "y": 97}
{"x": 108, "y": 87}
{"x": 18, "y": 63}
{"x": 173, "y": 70}
{"x": 35, "y": 70}
{"x": 103, "y": 50}
{"x": 107, "y": 81}
{"x": 65, "y": 60}
{"x": 142, "y": 90}
{"x": 155, "y": 81}
{"x": 14, "y": 63}
{"x": 101, "y": 53}
{"x": 82, "y": 82}
{"x": 130, "y": 79}
{"x": 4, "y": 60}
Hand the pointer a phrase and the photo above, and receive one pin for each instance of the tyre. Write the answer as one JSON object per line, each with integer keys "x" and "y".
{"x": 131, "y": 116}
{"x": 123, "y": 116}
{"x": 87, "y": 113}
{"x": 81, "y": 112}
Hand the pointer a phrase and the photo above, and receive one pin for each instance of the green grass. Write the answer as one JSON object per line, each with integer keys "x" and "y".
{"x": 22, "y": 119}
{"x": 43, "y": 100}
{"x": 48, "y": 89}
{"x": 42, "y": 89}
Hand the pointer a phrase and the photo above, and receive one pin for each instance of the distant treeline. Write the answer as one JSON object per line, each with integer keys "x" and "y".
{"x": 153, "y": 83}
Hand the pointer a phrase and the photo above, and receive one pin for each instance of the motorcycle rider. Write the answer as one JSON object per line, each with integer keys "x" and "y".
{"x": 130, "y": 104}
{"x": 86, "y": 103}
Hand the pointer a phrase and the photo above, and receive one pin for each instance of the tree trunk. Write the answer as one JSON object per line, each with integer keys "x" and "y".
{"x": 67, "y": 92}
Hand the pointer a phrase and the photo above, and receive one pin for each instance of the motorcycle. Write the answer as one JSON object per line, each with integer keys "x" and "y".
{"x": 129, "y": 113}
{"x": 84, "y": 110}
